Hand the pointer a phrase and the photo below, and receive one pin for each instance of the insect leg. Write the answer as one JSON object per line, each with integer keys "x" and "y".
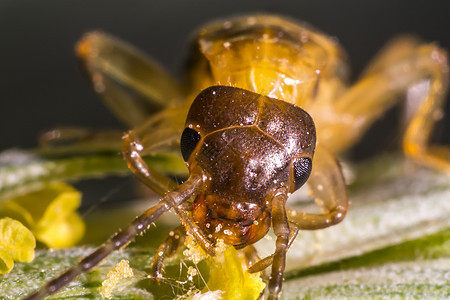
{"x": 267, "y": 261}
{"x": 159, "y": 134}
{"x": 168, "y": 248}
{"x": 132, "y": 85}
{"x": 146, "y": 174}
{"x": 328, "y": 186}
{"x": 69, "y": 140}
{"x": 405, "y": 67}
{"x": 141, "y": 141}
{"x": 122, "y": 238}
{"x": 282, "y": 231}
{"x": 251, "y": 255}
{"x": 183, "y": 212}
{"x": 421, "y": 120}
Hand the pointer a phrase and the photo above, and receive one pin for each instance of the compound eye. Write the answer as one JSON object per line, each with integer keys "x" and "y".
{"x": 302, "y": 170}
{"x": 189, "y": 139}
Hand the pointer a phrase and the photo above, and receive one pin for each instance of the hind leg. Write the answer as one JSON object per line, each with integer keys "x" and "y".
{"x": 405, "y": 68}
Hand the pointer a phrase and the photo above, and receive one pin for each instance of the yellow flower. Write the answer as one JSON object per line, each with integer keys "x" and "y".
{"x": 50, "y": 214}
{"x": 228, "y": 273}
{"x": 17, "y": 243}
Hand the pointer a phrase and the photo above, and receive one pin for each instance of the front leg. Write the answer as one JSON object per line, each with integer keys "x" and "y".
{"x": 281, "y": 229}
{"x": 261, "y": 264}
{"x": 168, "y": 248}
{"x": 328, "y": 185}
{"x": 133, "y": 149}
{"x": 159, "y": 134}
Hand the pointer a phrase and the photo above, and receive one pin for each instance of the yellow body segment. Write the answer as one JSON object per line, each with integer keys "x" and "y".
{"x": 268, "y": 55}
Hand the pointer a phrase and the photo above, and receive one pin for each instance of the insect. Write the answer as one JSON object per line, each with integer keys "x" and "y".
{"x": 265, "y": 108}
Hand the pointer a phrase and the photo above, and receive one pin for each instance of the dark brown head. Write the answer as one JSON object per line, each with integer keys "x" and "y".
{"x": 248, "y": 146}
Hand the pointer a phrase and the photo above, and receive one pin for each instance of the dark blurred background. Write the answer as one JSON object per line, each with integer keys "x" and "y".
{"x": 41, "y": 87}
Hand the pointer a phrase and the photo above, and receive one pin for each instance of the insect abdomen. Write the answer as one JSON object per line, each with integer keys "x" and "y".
{"x": 264, "y": 54}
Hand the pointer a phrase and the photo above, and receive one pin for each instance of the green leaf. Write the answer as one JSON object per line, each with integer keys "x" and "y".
{"x": 394, "y": 243}
{"x": 25, "y": 171}
{"x": 421, "y": 279}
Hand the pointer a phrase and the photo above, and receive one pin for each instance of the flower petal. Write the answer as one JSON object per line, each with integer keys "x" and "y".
{"x": 16, "y": 243}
